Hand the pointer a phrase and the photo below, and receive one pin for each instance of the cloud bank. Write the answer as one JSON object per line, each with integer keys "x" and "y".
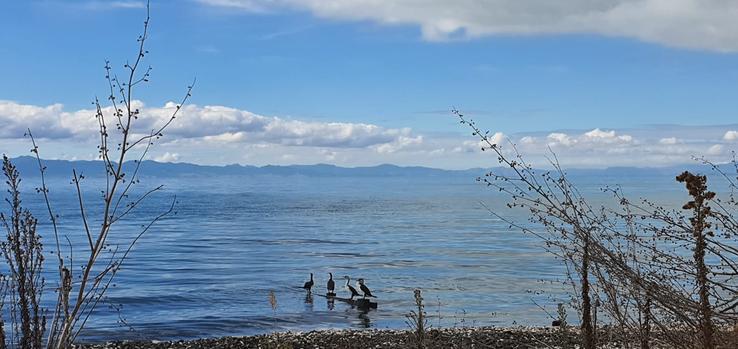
{"x": 225, "y": 135}
{"x": 695, "y": 24}
{"x": 214, "y": 124}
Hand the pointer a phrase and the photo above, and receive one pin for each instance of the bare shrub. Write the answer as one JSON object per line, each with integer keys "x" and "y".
{"x": 81, "y": 290}
{"x": 23, "y": 254}
{"x": 418, "y": 322}
{"x": 663, "y": 275}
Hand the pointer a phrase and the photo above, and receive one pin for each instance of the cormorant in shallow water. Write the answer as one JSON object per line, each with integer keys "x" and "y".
{"x": 331, "y": 284}
{"x": 350, "y": 288}
{"x": 367, "y": 292}
{"x": 309, "y": 285}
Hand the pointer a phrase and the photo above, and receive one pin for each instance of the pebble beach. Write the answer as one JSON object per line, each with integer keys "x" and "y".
{"x": 482, "y": 337}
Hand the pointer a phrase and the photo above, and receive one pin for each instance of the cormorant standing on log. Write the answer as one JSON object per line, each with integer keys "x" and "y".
{"x": 367, "y": 292}
{"x": 309, "y": 285}
{"x": 331, "y": 284}
{"x": 350, "y": 288}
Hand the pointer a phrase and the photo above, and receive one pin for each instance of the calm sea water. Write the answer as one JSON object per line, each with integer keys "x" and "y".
{"x": 207, "y": 271}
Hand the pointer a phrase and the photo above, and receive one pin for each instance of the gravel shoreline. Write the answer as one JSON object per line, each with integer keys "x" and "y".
{"x": 482, "y": 337}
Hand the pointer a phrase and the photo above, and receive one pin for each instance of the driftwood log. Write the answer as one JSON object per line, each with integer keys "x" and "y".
{"x": 361, "y": 303}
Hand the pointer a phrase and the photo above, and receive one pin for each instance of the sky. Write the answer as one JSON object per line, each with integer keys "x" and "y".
{"x": 364, "y": 82}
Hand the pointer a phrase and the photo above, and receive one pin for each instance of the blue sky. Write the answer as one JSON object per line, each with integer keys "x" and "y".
{"x": 381, "y": 77}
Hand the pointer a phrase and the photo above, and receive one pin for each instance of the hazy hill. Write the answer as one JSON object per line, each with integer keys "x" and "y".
{"x": 28, "y": 167}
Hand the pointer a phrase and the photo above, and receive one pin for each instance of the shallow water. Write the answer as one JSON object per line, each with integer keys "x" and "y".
{"x": 207, "y": 271}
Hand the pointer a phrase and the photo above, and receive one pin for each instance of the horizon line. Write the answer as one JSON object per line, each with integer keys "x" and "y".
{"x": 695, "y": 164}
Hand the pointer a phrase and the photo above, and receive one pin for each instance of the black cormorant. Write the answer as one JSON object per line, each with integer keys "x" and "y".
{"x": 331, "y": 284}
{"x": 365, "y": 289}
{"x": 309, "y": 284}
{"x": 350, "y": 288}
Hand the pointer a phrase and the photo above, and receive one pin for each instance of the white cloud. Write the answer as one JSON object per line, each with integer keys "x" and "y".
{"x": 560, "y": 138}
{"x": 586, "y": 139}
{"x": 167, "y": 157}
{"x": 227, "y": 137}
{"x": 224, "y": 135}
{"x": 731, "y": 136}
{"x": 467, "y": 146}
{"x": 331, "y": 134}
{"x": 715, "y": 149}
{"x": 329, "y": 155}
{"x": 17, "y": 118}
{"x": 598, "y": 135}
{"x": 696, "y": 24}
{"x": 216, "y": 124}
{"x": 472, "y": 146}
{"x": 497, "y": 138}
{"x": 528, "y": 140}
{"x": 402, "y": 142}
{"x": 649, "y": 147}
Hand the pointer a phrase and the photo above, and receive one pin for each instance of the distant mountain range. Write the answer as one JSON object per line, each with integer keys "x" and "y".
{"x": 28, "y": 166}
